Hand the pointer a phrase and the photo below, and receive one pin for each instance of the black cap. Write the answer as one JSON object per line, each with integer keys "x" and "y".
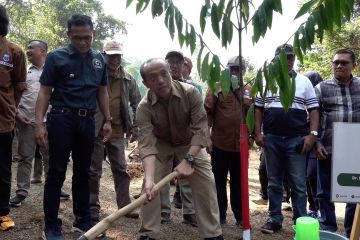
{"x": 287, "y": 47}
{"x": 175, "y": 54}
{"x": 234, "y": 62}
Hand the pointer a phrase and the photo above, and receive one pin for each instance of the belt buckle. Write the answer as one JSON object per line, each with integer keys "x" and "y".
{"x": 82, "y": 112}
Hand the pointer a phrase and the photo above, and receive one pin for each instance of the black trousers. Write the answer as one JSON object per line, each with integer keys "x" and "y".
{"x": 68, "y": 133}
{"x": 224, "y": 162}
{"x": 5, "y": 171}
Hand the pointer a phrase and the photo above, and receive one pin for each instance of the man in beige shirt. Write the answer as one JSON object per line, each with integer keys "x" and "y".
{"x": 173, "y": 129}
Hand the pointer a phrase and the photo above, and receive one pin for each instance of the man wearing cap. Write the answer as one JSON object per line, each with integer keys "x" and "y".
{"x": 173, "y": 130}
{"x": 122, "y": 89}
{"x": 73, "y": 80}
{"x": 183, "y": 198}
{"x": 286, "y": 138}
{"x": 223, "y": 114}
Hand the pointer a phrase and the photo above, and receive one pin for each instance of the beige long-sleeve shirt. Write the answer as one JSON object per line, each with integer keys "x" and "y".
{"x": 180, "y": 121}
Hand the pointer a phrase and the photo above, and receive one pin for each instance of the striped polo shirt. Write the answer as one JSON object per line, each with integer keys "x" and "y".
{"x": 293, "y": 122}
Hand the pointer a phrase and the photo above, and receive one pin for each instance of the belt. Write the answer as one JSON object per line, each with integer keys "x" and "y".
{"x": 82, "y": 112}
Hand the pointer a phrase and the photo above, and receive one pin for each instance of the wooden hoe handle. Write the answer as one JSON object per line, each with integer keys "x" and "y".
{"x": 103, "y": 225}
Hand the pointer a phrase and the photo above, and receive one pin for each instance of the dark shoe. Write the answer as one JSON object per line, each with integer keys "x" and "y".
{"x": 145, "y": 238}
{"x": 270, "y": 227}
{"x": 133, "y": 215}
{"x": 17, "y": 200}
{"x": 136, "y": 196}
{"x": 35, "y": 181}
{"x": 52, "y": 234}
{"x": 83, "y": 228}
{"x": 260, "y": 201}
{"x": 190, "y": 219}
{"x": 64, "y": 195}
{"x": 94, "y": 215}
{"x": 165, "y": 218}
{"x": 313, "y": 214}
{"x": 238, "y": 224}
{"x": 220, "y": 237}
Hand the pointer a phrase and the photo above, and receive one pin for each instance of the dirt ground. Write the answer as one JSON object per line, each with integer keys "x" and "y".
{"x": 29, "y": 217}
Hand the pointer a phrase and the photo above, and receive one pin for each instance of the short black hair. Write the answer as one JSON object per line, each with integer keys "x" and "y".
{"x": 347, "y": 51}
{"x": 79, "y": 20}
{"x": 142, "y": 67}
{"x": 42, "y": 44}
{"x": 314, "y": 77}
{"x": 4, "y": 21}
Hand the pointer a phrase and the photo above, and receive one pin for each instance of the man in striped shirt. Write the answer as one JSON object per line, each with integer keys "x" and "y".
{"x": 339, "y": 100}
{"x": 286, "y": 138}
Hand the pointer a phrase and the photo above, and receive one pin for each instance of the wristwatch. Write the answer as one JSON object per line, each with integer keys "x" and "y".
{"x": 190, "y": 158}
{"x": 313, "y": 132}
{"x": 108, "y": 119}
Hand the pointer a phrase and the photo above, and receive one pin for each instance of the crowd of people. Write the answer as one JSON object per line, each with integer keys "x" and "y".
{"x": 75, "y": 103}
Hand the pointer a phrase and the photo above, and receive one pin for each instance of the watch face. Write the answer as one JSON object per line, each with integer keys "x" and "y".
{"x": 315, "y": 133}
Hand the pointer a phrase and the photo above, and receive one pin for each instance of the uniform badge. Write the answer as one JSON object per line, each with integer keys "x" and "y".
{"x": 96, "y": 63}
{"x": 6, "y": 57}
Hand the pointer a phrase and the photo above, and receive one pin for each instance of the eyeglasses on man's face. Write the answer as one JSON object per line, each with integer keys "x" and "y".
{"x": 340, "y": 62}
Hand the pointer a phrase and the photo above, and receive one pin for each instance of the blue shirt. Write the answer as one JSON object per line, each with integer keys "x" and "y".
{"x": 75, "y": 79}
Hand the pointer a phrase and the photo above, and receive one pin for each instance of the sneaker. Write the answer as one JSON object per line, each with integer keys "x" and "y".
{"x": 64, "y": 195}
{"x": 313, "y": 214}
{"x": 53, "y": 234}
{"x": 260, "y": 201}
{"x": 190, "y": 219}
{"x": 165, "y": 218}
{"x": 270, "y": 227}
{"x": 17, "y": 200}
{"x": 35, "y": 181}
{"x": 83, "y": 228}
{"x": 6, "y": 223}
{"x": 286, "y": 206}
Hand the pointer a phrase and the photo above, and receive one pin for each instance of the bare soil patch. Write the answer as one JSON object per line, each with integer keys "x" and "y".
{"x": 29, "y": 216}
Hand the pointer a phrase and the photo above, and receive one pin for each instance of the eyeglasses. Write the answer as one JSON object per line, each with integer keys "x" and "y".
{"x": 341, "y": 62}
{"x": 79, "y": 38}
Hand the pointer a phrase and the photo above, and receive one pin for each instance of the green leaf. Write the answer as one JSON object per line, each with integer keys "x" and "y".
{"x": 203, "y": 14}
{"x": 329, "y": 13}
{"x": 139, "y": 6}
{"x": 198, "y": 61}
{"x": 156, "y": 8}
{"x": 181, "y": 38}
{"x": 277, "y": 6}
{"x": 229, "y": 29}
{"x": 305, "y": 8}
{"x": 250, "y": 118}
{"x": 345, "y": 10}
{"x": 262, "y": 18}
{"x": 229, "y": 8}
{"x": 220, "y": 9}
{"x": 269, "y": 17}
{"x": 234, "y": 82}
{"x": 192, "y": 40}
{"x": 128, "y": 2}
{"x": 215, "y": 20}
{"x": 167, "y": 16}
{"x": 225, "y": 81}
{"x": 297, "y": 49}
{"x": 171, "y": 23}
{"x": 257, "y": 28}
{"x": 178, "y": 20}
{"x": 259, "y": 83}
{"x": 205, "y": 69}
{"x": 245, "y": 11}
{"x": 224, "y": 33}
{"x": 284, "y": 65}
{"x": 337, "y": 13}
